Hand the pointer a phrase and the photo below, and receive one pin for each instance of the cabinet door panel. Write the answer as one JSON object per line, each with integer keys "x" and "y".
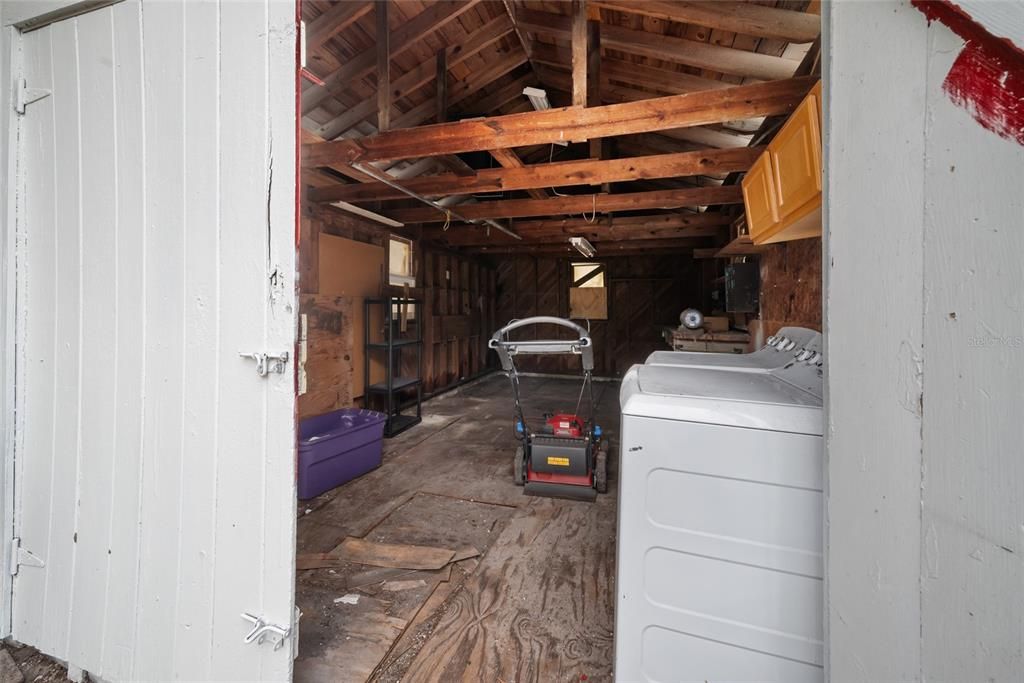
{"x": 796, "y": 159}
{"x": 759, "y": 196}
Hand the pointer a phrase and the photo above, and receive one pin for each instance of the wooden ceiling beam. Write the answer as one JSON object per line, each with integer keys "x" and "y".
{"x": 510, "y": 160}
{"x": 516, "y": 176}
{"x": 612, "y": 93}
{"x": 735, "y": 17}
{"x": 666, "y": 48}
{"x": 416, "y": 78}
{"x": 567, "y": 124}
{"x": 411, "y": 32}
{"x": 676, "y": 220}
{"x": 604, "y": 249}
{"x": 336, "y": 19}
{"x": 607, "y": 228}
{"x": 578, "y": 204}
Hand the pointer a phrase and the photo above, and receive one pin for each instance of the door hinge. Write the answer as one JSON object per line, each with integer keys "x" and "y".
{"x": 262, "y": 630}
{"x": 267, "y": 362}
{"x": 20, "y": 556}
{"x": 26, "y": 95}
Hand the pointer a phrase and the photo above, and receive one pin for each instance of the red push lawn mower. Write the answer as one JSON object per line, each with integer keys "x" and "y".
{"x": 566, "y": 458}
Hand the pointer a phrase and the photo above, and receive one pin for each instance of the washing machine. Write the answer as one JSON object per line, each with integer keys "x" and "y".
{"x": 778, "y": 350}
{"x": 719, "y": 574}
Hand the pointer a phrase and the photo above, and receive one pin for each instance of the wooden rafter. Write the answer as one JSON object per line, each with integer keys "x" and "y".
{"x": 516, "y": 176}
{"x": 401, "y": 39}
{"x": 502, "y": 96}
{"x": 578, "y": 204}
{"x": 667, "y": 81}
{"x": 421, "y": 75}
{"x": 663, "y": 47}
{"x": 736, "y": 17}
{"x": 336, "y": 19}
{"x": 553, "y": 125}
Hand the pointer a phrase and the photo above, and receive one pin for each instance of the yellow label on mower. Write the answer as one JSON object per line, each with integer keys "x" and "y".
{"x": 552, "y": 460}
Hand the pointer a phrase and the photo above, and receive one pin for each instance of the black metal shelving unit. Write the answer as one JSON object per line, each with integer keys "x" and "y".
{"x": 393, "y": 344}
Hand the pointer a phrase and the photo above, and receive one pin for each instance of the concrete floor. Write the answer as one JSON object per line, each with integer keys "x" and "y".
{"x": 536, "y": 604}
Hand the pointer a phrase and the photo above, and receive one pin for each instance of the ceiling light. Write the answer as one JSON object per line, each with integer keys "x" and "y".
{"x": 583, "y": 246}
{"x": 538, "y": 98}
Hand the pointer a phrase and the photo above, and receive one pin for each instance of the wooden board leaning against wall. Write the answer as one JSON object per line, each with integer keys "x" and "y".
{"x": 341, "y": 261}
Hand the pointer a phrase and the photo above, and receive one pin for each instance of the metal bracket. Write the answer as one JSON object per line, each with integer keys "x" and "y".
{"x": 267, "y": 362}
{"x": 26, "y": 95}
{"x": 262, "y": 629}
{"x": 20, "y": 556}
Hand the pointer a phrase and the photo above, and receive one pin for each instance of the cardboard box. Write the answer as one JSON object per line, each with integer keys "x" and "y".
{"x": 716, "y": 323}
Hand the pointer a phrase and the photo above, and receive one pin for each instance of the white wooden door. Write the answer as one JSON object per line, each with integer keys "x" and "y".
{"x": 154, "y": 468}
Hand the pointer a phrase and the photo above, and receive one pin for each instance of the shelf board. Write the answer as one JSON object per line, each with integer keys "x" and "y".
{"x": 397, "y": 384}
{"x": 742, "y": 246}
{"x": 399, "y": 423}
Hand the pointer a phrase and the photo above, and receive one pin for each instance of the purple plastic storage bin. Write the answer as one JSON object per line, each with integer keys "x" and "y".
{"x": 337, "y": 447}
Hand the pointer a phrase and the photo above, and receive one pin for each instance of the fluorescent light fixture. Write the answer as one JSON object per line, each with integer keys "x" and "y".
{"x": 539, "y": 99}
{"x": 583, "y": 246}
{"x": 359, "y": 211}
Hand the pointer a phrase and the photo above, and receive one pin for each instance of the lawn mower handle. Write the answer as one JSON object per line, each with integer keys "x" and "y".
{"x": 506, "y": 348}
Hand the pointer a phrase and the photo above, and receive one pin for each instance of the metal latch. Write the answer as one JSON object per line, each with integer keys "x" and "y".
{"x": 262, "y": 630}
{"x": 20, "y": 556}
{"x": 26, "y": 95}
{"x": 267, "y": 362}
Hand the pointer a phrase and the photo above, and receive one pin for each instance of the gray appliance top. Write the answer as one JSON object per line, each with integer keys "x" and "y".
{"x": 778, "y": 350}
{"x": 786, "y": 398}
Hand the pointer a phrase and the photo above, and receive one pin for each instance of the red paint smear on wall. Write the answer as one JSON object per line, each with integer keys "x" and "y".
{"x": 987, "y": 78}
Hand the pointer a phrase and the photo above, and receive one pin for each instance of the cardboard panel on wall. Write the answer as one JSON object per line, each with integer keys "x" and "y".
{"x": 354, "y": 269}
{"x": 588, "y": 303}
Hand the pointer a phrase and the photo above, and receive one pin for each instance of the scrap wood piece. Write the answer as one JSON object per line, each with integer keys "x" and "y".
{"x": 385, "y": 574}
{"x": 317, "y": 561}
{"x": 393, "y": 555}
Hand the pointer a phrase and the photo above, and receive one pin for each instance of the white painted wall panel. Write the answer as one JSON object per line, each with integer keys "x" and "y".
{"x": 155, "y": 468}
{"x": 875, "y": 128}
{"x": 972, "y": 603}
{"x": 925, "y": 577}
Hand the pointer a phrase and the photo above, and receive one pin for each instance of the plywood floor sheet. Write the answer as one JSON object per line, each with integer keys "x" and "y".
{"x": 535, "y": 605}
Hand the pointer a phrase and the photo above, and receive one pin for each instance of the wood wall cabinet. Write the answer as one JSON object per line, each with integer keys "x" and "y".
{"x": 782, "y": 190}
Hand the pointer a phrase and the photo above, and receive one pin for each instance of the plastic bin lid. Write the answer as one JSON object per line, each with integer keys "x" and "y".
{"x": 337, "y": 423}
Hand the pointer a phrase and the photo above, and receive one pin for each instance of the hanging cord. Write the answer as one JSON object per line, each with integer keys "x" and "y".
{"x": 551, "y": 156}
{"x": 593, "y": 214}
{"x": 447, "y": 220}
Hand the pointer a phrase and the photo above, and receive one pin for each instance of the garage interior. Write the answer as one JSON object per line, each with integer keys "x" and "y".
{"x": 454, "y": 153}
